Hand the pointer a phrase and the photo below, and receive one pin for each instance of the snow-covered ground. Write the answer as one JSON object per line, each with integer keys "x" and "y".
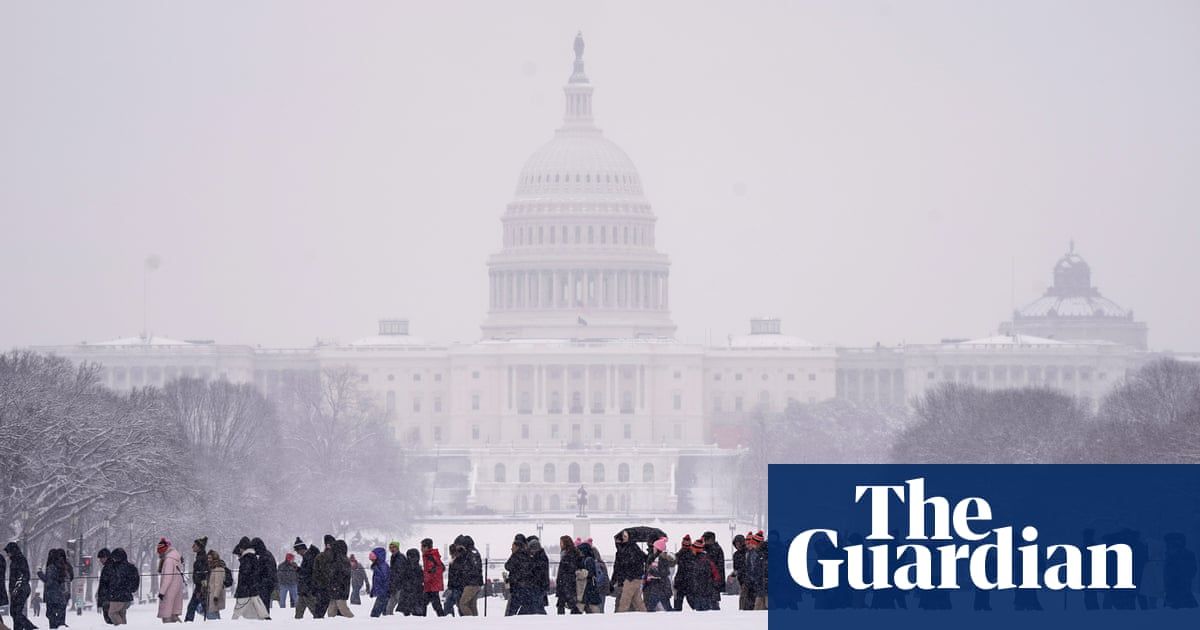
{"x": 143, "y": 616}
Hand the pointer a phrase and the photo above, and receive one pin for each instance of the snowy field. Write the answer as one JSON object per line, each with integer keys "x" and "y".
{"x": 143, "y": 616}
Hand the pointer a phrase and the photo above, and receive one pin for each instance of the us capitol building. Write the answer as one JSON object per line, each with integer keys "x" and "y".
{"x": 577, "y": 379}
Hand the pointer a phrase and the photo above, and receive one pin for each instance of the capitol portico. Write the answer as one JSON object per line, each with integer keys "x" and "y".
{"x": 578, "y": 380}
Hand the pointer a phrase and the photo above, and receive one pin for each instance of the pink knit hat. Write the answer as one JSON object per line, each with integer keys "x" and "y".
{"x": 661, "y": 544}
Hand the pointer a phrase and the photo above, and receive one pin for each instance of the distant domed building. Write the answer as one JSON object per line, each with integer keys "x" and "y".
{"x": 578, "y": 258}
{"x": 1074, "y": 310}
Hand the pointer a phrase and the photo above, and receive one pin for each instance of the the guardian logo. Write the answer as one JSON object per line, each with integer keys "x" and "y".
{"x": 918, "y": 561}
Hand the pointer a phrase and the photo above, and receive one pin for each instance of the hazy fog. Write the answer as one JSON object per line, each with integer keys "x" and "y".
{"x": 867, "y": 171}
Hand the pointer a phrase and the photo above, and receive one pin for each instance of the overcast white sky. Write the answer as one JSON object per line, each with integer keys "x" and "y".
{"x": 869, "y": 171}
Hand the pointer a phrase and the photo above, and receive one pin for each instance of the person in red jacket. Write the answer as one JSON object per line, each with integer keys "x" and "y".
{"x": 433, "y": 567}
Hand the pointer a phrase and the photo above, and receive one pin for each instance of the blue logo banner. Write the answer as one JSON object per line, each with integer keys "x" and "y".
{"x": 993, "y": 546}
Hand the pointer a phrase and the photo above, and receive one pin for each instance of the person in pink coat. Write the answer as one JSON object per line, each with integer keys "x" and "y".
{"x": 170, "y": 582}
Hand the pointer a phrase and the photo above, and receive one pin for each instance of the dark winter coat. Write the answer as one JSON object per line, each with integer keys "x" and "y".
{"x": 102, "y": 585}
{"x": 683, "y": 561}
{"x": 564, "y": 583}
{"x": 411, "y": 588}
{"x": 249, "y": 579}
{"x": 475, "y": 568}
{"x": 591, "y": 593}
{"x": 123, "y": 578}
{"x": 434, "y": 568}
{"x": 358, "y": 576}
{"x": 717, "y": 555}
{"x": 456, "y": 575}
{"x": 55, "y": 582}
{"x": 658, "y": 574}
{"x": 756, "y": 569}
{"x": 475, "y": 575}
{"x": 541, "y": 566}
{"x": 520, "y": 568}
{"x": 739, "y": 565}
{"x": 323, "y": 568}
{"x": 287, "y": 573}
{"x": 396, "y": 570}
{"x": 339, "y": 581}
{"x": 18, "y": 571}
{"x": 304, "y": 575}
{"x": 3, "y": 585}
{"x": 200, "y": 569}
{"x": 380, "y": 574}
{"x": 268, "y": 569}
{"x": 702, "y": 577}
{"x": 630, "y": 563}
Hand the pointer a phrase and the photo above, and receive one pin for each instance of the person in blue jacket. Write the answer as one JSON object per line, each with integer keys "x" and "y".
{"x": 380, "y": 579}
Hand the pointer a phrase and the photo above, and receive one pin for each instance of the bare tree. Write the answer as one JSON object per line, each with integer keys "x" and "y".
{"x": 73, "y": 452}
{"x": 344, "y": 464}
{"x": 229, "y": 433}
{"x": 961, "y": 424}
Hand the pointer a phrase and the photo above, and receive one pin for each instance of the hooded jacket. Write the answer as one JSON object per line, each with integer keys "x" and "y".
{"x": 380, "y": 574}
{"x": 411, "y": 583}
{"x": 249, "y": 580}
{"x": 433, "y": 570}
{"x": 475, "y": 568}
{"x": 18, "y": 572}
{"x": 268, "y": 569}
{"x": 591, "y": 592}
{"x": 541, "y": 565}
{"x": 396, "y": 566}
{"x": 304, "y": 575}
{"x": 123, "y": 577}
{"x": 340, "y": 574}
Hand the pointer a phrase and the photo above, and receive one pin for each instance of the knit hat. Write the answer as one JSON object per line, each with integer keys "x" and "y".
{"x": 519, "y": 538}
{"x": 289, "y": 557}
{"x": 687, "y": 540}
{"x": 329, "y": 540}
{"x": 202, "y": 542}
{"x": 396, "y": 544}
{"x": 299, "y": 545}
{"x": 757, "y": 537}
{"x": 661, "y": 544}
{"x": 698, "y": 544}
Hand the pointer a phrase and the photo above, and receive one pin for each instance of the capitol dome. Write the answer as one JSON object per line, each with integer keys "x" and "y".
{"x": 1074, "y": 310}
{"x": 579, "y": 163}
{"x": 578, "y": 259}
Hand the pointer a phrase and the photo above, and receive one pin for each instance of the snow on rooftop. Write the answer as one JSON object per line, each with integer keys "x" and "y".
{"x": 1010, "y": 340}
{"x": 768, "y": 341}
{"x": 142, "y": 341}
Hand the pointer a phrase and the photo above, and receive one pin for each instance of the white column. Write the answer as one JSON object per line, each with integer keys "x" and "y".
{"x": 587, "y": 389}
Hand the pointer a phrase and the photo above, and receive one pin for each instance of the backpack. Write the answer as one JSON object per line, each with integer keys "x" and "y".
{"x": 601, "y": 576}
{"x": 228, "y": 578}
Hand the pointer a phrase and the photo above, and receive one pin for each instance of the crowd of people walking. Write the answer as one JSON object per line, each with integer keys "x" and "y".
{"x": 323, "y": 582}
